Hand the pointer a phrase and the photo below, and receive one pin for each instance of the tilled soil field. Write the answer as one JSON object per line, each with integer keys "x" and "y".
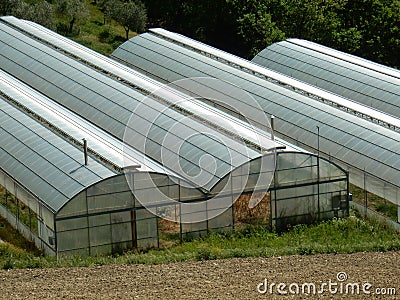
{"x": 334, "y": 277}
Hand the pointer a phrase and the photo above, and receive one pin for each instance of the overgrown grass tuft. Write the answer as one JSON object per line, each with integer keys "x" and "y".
{"x": 348, "y": 235}
{"x": 374, "y": 202}
{"x": 95, "y": 32}
{"x": 97, "y": 35}
{"x": 11, "y": 235}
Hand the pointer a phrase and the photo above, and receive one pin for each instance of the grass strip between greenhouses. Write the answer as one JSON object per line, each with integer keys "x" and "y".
{"x": 349, "y": 235}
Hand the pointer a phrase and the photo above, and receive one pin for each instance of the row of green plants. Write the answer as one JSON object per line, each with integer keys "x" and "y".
{"x": 353, "y": 234}
{"x": 21, "y": 211}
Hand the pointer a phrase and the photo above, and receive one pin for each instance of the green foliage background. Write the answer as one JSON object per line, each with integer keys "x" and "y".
{"x": 366, "y": 28}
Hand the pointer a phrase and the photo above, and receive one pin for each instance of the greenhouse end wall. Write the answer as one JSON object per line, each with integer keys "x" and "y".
{"x": 111, "y": 217}
{"x": 103, "y": 219}
{"x": 307, "y": 189}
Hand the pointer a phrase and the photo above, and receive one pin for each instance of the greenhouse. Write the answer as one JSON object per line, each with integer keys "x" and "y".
{"x": 89, "y": 163}
{"x": 368, "y": 150}
{"x": 352, "y": 77}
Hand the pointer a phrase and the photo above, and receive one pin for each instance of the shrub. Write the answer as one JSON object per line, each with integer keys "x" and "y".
{"x": 104, "y": 36}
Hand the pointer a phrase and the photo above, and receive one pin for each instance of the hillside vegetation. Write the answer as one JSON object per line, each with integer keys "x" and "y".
{"x": 93, "y": 25}
{"x": 367, "y": 28}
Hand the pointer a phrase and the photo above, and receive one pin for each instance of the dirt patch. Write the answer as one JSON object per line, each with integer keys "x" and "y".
{"x": 258, "y": 215}
{"x": 218, "y": 279}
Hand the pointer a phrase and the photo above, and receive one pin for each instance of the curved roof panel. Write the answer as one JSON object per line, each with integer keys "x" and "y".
{"x": 349, "y": 139}
{"x": 43, "y": 162}
{"x": 340, "y": 73}
{"x": 122, "y": 72}
{"x": 103, "y": 144}
{"x": 349, "y": 105}
{"x": 110, "y": 105}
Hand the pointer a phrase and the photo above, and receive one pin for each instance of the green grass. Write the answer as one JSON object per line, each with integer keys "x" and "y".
{"x": 375, "y": 202}
{"x": 101, "y": 38}
{"x": 11, "y": 235}
{"x": 93, "y": 33}
{"x": 348, "y": 235}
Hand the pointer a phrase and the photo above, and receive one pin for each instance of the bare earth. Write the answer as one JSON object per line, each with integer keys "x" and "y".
{"x": 218, "y": 279}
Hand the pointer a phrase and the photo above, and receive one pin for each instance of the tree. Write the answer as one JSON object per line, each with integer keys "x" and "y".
{"x": 21, "y": 10}
{"x": 255, "y": 24}
{"x": 6, "y": 6}
{"x": 261, "y": 23}
{"x": 319, "y": 21}
{"x": 74, "y": 10}
{"x": 379, "y": 26}
{"x": 105, "y": 7}
{"x": 42, "y": 13}
{"x": 210, "y": 21}
{"x": 163, "y": 13}
{"x": 130, "y": 15}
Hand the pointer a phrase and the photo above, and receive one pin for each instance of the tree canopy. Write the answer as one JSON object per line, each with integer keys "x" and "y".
{"x": 366, "y": 28}
{"x": 74, "y": 10}
{"x": 40, "y": 12}
{"x": 131, "y": 15}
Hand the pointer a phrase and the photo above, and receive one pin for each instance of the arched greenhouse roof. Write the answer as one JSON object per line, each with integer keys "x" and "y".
{"x": 352, "y": 77}
{"x": 109, "y": 104}
{"x": 95, "y": 151}
{"x": 355, "y": 143}
{"x": 43, "y": 162}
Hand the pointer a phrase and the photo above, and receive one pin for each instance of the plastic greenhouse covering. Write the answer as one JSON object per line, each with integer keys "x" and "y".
{"x": 144, "y": 83}
{"x": 360, "y": 80}
{"x": 54, "y": 92}
{"x": 105, "y": 145}
{"x": 355, "y": 143}
{"x": 60, "y": 175}
{"x": 85, "y": 92}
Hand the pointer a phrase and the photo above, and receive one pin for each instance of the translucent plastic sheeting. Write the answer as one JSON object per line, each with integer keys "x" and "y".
{"x": 111, "y": 105}
{"x": 349, "y": 139}
{"x": 46, "y": 164}
{"x": 338, "y": 101}
{"x": 348, "y": 57}
{"x": 360, "y": 80}
{"x": 76, "y": 127}
{"x": 307, "y": 188}
{"x": 138, "y": 79}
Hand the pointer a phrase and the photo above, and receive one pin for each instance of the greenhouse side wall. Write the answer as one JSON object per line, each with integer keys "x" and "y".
{"x": 98, "y": 220}
{"x": 25, "y": 213}
{"x": 307, "y": 189}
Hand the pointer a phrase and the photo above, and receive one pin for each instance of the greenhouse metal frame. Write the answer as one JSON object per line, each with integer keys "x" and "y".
{"x": 368, "y": 150}
{"x": 81, "y": 197}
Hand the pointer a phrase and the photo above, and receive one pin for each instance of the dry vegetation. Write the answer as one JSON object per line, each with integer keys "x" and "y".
{"x": 257, "y": 215}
